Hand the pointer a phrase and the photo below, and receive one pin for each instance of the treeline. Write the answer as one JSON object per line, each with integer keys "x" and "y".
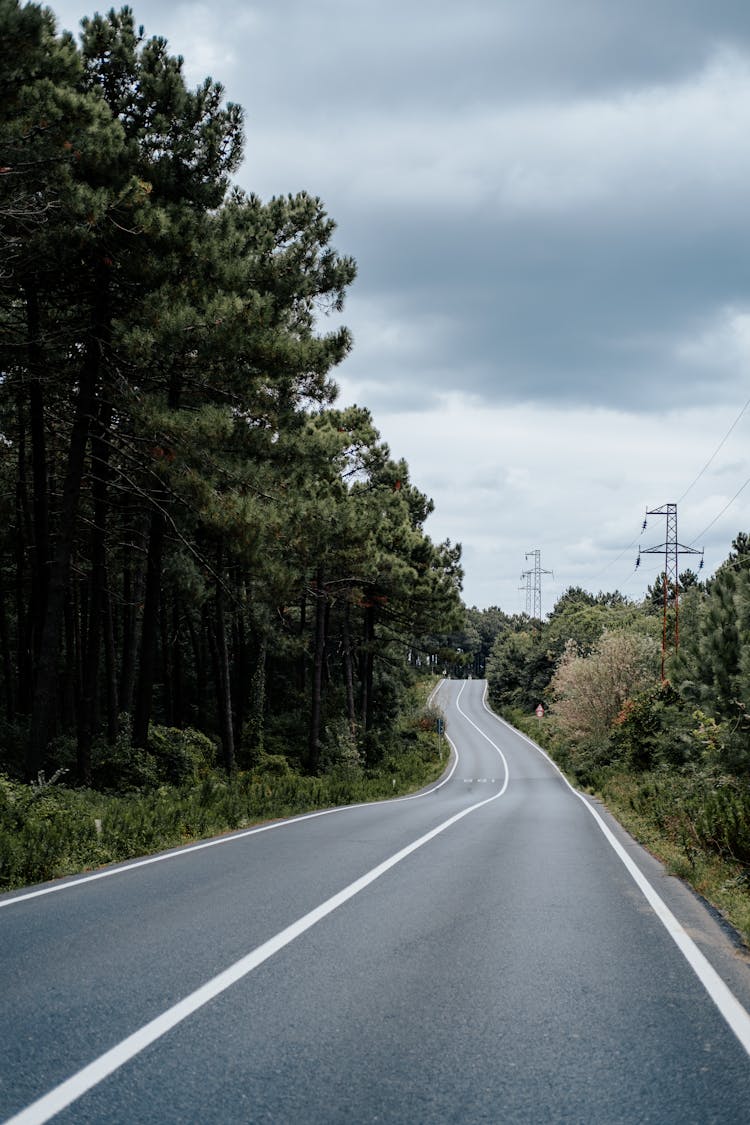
{"x": 193, "y": 536}
{"x": 595, "y": 666}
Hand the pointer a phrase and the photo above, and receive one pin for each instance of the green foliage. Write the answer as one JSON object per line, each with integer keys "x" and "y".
{"x": 194, "y": 535}
{"x": 181, "y": 756}
{"x": 653, "y": 729}
{"x": 341, "y": 755}
{"x": 272, "y": 765}
{"x": 519, "y": 668}
{"x": 172, "y": 757}
{"x": 711, "y": 670}
{"x": 47, "y": 830}
{"x": 699, "y": 811}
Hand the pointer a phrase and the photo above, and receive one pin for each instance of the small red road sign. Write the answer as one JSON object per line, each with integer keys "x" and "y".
{"x": 539, "y": 711}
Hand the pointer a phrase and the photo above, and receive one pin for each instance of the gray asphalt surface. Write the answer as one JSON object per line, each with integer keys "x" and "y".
{"x": 507, "y": 970}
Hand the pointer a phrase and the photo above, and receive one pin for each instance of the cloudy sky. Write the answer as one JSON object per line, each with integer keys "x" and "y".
{"x": 548, "y": 204}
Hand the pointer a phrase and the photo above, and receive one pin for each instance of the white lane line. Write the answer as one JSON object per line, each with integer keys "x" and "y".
{"x": 218, "y": 841}
{"x": 733, "y": 1012}
{"x": 74, "y": 1087}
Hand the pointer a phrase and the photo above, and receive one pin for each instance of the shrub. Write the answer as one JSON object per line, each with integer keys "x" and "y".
{"x": 652, "y": 729}
{"x": 272, "y": 765}
{"x": 340, "y": 754}
{"x": 181, "y": 755}
{"x": 590, "y": 691}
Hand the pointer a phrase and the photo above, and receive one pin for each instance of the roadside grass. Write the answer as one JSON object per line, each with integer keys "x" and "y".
{"x": 48, "y": 830}
{"x": 680, "y": 822}
{"x": 696, "y": 823}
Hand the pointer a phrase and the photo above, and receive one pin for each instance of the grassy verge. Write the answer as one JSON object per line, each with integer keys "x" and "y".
{"x": 696, "y": 824}
{"x": 50, "y": 831}
{"x": 680, "y": 822}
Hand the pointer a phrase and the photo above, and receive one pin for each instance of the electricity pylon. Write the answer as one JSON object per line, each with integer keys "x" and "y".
{"x": 537, "y": 583}
{"x": 672, "y": 551}
{"x": 526, "y": 576}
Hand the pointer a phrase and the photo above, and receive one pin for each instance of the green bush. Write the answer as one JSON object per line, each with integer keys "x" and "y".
{"x": 340, "y": 755}
{"x": 181, "y": 755}
{"x": 654, "y": 728}
{"x": 272, "y": 765}
{"x": 695, "y": 810}
{"x": 47, "y": 830}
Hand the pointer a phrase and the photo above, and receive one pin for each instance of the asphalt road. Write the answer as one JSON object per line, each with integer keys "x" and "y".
{"x": 494, "y": 950}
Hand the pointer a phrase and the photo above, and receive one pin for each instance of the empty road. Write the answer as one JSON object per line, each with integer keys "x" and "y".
{"x": 493, "y": 950}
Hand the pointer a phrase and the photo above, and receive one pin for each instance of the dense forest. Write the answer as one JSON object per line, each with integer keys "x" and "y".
{"x": 198, "y": 548}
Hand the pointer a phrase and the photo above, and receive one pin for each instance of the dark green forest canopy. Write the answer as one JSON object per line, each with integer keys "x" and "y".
{"x": 192, "y": 533}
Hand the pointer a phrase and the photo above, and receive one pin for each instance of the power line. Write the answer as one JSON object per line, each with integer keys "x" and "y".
{"x": 718, "y": 447}
{"x": 612, "y": 562}
{"x": 723, "y": 510}
{"x": 687, "y": 490}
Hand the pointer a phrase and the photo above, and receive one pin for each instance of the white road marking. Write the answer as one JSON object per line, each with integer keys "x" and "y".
{"x": 735, "y": 1015}
{"x": 218, "y": 841}
{"x": 78, "y": 1084}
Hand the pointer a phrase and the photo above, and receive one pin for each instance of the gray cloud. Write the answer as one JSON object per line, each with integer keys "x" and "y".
{"x": 548, "y": 205}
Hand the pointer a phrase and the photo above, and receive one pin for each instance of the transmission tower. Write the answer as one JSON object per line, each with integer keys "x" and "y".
{"x": 536, "y": 579}
{"x": 526, "y": 576}
{"x": 671, "y": 549}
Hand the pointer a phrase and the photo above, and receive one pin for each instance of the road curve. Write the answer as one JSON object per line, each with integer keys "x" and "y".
{"x": 494, "y": 950}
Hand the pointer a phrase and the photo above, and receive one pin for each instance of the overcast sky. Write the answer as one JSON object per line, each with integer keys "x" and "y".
{"x": 548, "y": 204}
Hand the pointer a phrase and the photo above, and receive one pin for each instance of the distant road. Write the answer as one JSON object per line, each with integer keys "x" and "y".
{"x": 495, "y": 950}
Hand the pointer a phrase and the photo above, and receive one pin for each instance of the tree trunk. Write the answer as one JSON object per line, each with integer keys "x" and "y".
{"x": 110, "y": 662}
{"x": 44, "y": 713}
{"x": 67, "y": 693}
{"x": 178, "y": 671}
{"x": 23, "y": 656}
{"x": 149, "y": 631}
{"x": 241, "y": 675}
{"x": 368, "y": 659}
{"x": 97, "y": 593}
{"x": 254, "y": 727}
{"x": 313, "y": 753}
{"x": 23, "y": 613}
{"x": 151, "y": 614}
{"x": 133, "y": 592}
{"x": 199, "y": 663}
{"x": 302, "y": 667}
{"x": 40, "y": 572}
{"x": 166, "y": 663}
{"x": 349, "y": 672}
{"x": 222, "y": 681}
{"x": 10, "y": 708}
